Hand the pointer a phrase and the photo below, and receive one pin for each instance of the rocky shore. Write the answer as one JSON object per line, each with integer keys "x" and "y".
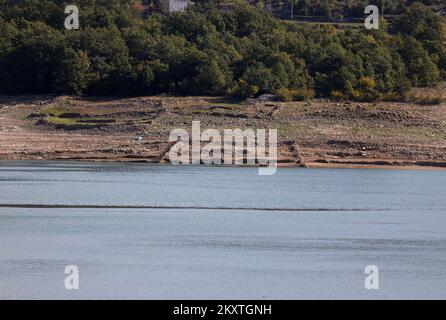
{"x": 318, "y": 133}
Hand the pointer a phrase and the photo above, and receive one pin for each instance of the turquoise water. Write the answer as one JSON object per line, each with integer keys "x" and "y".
{"x": 164, "y": 232}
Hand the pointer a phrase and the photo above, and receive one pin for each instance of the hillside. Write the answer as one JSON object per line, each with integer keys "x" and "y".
{"x": 243, "y": 52}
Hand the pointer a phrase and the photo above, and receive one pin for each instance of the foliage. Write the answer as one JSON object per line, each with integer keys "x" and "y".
{"x": 243, "y": 52}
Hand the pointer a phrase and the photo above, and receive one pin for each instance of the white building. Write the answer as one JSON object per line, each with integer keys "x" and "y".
{"x": 174, "y": 5}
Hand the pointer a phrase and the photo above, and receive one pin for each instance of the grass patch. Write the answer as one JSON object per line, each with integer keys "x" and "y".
{"x": 54, "y": 111}
{"x": 57, "y": 120}
{"x": 61, "y": 118}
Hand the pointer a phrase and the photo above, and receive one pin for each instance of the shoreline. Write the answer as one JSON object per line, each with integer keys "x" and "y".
{"x": 311, "y": 165}
{"x": 312, "y": 134}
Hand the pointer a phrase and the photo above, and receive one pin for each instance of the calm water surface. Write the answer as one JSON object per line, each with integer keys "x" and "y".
{"x": 163, "y": 232}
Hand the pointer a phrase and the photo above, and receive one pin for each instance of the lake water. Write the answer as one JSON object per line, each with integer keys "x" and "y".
{"x": 163, "y": 232}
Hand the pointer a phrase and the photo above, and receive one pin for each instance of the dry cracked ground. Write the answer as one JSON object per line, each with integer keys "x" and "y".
{"x": 314, "y": 133}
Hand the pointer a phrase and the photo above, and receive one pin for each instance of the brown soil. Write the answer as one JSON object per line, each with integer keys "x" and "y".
{"x": 315, "y": 134}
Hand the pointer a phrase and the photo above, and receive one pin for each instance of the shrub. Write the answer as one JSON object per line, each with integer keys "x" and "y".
{"x": 284, "y": 95}
{"x": 245, "y": 90}
{"x": 337, "y": 95}
{"x": 426, "y": 96}
{"x": 301, "y": 94}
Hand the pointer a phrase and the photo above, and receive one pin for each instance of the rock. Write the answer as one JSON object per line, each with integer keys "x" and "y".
{"x": 266, "y": 98}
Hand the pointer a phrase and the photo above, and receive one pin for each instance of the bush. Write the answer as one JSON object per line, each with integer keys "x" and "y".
{"x": 245, "y": 90}
{"x": 337, "y": 95}
{"x": 287, "y": 95}
{"x": 284, "y": 95}
{"x": 302, "y": 94}
{"x": 426, "y": 96}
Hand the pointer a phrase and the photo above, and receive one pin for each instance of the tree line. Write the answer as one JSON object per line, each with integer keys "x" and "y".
{"x": 205, "y": 51}
{"x": 339, "y": 9}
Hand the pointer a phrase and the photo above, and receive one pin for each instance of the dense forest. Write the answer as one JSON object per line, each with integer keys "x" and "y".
{"x": 206, "y": 51}
{"x": 339, "y": 9}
